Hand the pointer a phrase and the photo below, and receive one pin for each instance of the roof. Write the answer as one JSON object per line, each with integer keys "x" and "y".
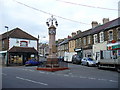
{"x": 82, "y": 34}
{"x": 115, "y": 23}
{"x": 16, "y": 49}
{"x": 18, "y": 33}
{"x": 64, "y": 42}
{"x": 106, "y": 26}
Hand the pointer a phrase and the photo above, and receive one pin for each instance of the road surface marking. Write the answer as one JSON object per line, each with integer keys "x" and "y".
{"x": 25, "y": 69}
{"x": 102, "y": 79}
{"x": 4, "y": 74}
{"x": 113, "y": 81}
{"x": 41, "y": 72}
{"x": 31, "y": 81}
{"x": 66, "y": 75}
{"x": 31, "y": 70}
{"x": 82, "y": 77}
{"x": 92, "y": 78}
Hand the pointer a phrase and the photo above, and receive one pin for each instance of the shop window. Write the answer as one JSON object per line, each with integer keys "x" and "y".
{"x": 23, "y": 43}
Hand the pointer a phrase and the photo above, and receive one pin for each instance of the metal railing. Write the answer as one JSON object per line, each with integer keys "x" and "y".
{"x": 53, "y": 64}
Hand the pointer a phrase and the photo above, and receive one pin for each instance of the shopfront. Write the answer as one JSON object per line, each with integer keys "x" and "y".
{"x": 115, "y": 47}
{"x": 19, "y": 55}
{"x": 79, "y": 51}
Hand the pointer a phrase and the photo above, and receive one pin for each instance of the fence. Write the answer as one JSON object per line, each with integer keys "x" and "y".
{"x": 53, "y": 64}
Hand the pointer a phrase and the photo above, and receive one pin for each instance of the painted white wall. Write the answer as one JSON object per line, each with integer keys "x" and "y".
{"x": 99, "y": 46}
{"x": 13, "y": 42}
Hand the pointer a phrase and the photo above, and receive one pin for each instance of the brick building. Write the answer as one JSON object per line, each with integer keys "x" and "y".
{"x": 17, "y": 47}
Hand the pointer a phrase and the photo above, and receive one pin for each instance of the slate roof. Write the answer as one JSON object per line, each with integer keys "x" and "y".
{"x": 64, "y": 42}
{"x": 18, "y": 33}
{"x": 106, "y": 26}
{"x": 99, "y": 28}
{"x": 16, "y": 49}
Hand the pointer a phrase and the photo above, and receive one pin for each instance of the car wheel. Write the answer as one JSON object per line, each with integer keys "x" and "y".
{"x": 87, "y": 64}
{"x": 118, "y": 69}
{"x": 72, "y": 62}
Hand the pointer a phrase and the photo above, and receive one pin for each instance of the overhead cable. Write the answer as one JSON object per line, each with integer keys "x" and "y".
{"x": 88, "y": 5}
{"x": 49, "y": 13}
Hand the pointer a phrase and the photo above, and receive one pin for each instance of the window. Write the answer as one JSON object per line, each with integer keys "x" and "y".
{"x": 89, "y": 37}
{"x": 118, "y": 33}
{"x": 23, "y": 43}
{"x": 101, "y": 34}
{"x": 84, "y": 40}
{"x": 110, "y": 34}
{"x": 80, "y": 41}
{"x": 95, "y": 39}
{"x": 3, "y": 43}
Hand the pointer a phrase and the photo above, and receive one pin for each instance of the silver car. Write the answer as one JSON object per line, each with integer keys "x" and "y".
{"x": 88, "y": 61}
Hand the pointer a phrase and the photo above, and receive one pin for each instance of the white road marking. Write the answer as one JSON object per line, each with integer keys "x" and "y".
{"x": 113, "y": 81}
{"x": 31, "y": 81}
{"x": 71, "y": 75}
{"x": 82, "y": 77}
{"x": 41, "y": 72}
{"x": 66, "y": 75}
{"x": 31, "y": 70}
{"x": 92, "y": 78}
{"x": 102, "y": 79}
{"x": 25, "y": 69}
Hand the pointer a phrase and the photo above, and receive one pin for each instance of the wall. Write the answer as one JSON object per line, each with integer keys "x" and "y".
{"x": 71, "y": 46}
{"x": 99, "y": 46}
{"x": 13, "y": 42}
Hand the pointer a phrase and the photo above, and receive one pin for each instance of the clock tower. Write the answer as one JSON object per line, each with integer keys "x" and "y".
{"x": 52, "y": 58}
{"x": 52, "y": 61}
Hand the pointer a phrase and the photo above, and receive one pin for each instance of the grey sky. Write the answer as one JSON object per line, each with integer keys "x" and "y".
{"x": 34, "y": 22}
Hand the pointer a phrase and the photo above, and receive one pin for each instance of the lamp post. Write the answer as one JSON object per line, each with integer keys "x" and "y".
{"x": 7, "y": 46}
{"x": 52, "y": 58}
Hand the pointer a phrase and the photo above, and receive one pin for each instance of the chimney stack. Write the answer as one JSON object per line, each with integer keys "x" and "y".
{"x": 105, "y": 20}
{"x": 79, "y": 31}
{"x": 73, "y": 34}
{"x": 94, "y": 24}
{"x": 69, "y": 36}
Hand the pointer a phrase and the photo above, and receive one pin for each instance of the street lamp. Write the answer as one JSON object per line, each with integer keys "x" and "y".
{"x": 7, "y": 46}
{"x": 51, "y": 20}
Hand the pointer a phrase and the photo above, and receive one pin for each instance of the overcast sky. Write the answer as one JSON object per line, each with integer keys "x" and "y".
{"x": 32, "y": 21}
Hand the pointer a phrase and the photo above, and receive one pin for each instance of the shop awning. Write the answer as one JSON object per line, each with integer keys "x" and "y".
{"x": 15, "y": 49}
{"x": 3, "y": 51}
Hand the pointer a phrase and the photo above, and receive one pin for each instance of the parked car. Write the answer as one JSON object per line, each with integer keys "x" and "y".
{"x": 32, "y": 62}
{"x": 76, "y": 59}
{"x": 60, "y": 58}
{"x": 88, "y": 61}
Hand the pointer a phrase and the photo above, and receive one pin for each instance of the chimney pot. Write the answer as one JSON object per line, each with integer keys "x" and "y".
{"x": 73, "y": 34}
{"x": 94, "y": 24}
{"x": 105, "y": 20}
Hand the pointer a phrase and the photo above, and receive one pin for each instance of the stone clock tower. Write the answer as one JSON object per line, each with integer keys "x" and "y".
{"x": 52, "y": 58}
{"x": 52, "y": 61}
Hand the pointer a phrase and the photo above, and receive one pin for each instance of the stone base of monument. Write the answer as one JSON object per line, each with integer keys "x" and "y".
{"x": 53, "y": 65}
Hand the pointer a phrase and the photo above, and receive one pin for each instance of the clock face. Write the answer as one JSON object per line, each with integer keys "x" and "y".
{"x": 52, "y": 31}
